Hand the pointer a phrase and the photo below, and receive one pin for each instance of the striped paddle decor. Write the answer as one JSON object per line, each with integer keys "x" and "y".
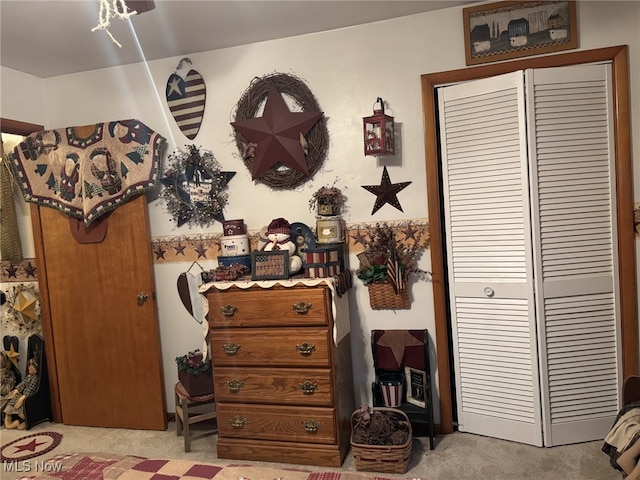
{"x": 186, "y": 97}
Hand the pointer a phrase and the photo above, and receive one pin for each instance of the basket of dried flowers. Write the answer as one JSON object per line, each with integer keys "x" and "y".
{"x": 381, "y": 439}
{"x": 386, "y": 263}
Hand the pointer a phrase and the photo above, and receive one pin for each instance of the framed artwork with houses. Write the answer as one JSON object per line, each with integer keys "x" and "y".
{"x": 511, "y": 29}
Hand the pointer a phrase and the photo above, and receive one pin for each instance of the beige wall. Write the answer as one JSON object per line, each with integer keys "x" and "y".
{"x": 346, "y": 70}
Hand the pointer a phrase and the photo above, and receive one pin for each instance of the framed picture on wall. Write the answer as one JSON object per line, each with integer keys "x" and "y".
{"x": 272, "y": 265}
{"x": 416, "y": 382}
{"x": 504, "y": 30}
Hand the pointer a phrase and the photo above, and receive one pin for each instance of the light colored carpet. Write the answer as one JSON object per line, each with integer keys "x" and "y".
{"x": 458, "y": 456}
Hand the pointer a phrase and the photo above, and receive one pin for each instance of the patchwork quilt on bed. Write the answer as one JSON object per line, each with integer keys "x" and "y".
{"x": 97, "y": 466}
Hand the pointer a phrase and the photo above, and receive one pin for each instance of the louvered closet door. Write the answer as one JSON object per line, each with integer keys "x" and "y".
{"x": 575, "y": 238}
{"x": 483, "y": 140}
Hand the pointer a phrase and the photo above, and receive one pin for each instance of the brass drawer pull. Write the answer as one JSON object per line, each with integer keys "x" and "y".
{"x": 228, "y": 310}
{"x": 230, "y": 348}
{"x": 311, "y": 426}
{"x": 305, "y": 348}
{"x": 308, "y": 387}
{"x": 234, "y": 385}
{"x": 302, "y": 308}
{"x": 237, "y": 421}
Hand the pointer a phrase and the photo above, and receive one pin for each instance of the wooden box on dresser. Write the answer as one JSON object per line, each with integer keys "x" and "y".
{"x": 284, "y": 388}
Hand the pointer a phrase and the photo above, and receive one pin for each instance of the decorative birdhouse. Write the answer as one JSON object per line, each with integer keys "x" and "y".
{"x": 378, "y": 131}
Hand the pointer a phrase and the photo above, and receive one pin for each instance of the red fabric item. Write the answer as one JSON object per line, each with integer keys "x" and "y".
{"x": 396, "y": 349}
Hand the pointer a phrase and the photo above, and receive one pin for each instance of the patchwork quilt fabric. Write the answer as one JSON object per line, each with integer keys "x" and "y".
{"x": 97, "y": 466}
{"x": 86, "y": 177}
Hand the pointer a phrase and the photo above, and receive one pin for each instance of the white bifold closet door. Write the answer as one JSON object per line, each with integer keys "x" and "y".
{"x": 529, "y": 201}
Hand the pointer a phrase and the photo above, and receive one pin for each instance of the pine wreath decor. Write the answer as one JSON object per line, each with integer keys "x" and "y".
{"x": 315, "y": 143}
{"x": 195, "y": 187}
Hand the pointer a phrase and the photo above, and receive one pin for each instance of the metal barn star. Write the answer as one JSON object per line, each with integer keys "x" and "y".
{"x": 386, "y": 192}
{"x": 277, "y": 135}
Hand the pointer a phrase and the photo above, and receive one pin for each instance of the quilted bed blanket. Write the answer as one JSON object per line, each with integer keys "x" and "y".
{"x": 99, "y": 466}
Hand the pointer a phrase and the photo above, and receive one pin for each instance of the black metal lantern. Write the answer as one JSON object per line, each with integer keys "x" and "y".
{"x": 378, "y": 131}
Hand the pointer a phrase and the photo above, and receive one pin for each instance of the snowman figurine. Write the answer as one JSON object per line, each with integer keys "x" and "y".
{"x": 279, "y": 238}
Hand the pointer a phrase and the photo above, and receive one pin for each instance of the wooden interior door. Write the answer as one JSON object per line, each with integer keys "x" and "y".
{"x": 104, "y": 341}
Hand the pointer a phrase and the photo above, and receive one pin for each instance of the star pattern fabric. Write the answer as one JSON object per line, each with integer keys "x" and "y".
{"x": 386, "y": 192}
{"x": 85, "y": 468}
{"x": 277, "y": 135}
{"x": 30, "y": 446}
{"x": 397, "y": 340}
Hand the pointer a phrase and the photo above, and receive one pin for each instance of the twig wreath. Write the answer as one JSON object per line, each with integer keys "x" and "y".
{"x": 317, "y": 139}
{"x": 195, "y": 187}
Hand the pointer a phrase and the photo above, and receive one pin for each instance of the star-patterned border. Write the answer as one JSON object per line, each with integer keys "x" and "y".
{"x": 197, "y": 247}
{"x": 188, "y": 248}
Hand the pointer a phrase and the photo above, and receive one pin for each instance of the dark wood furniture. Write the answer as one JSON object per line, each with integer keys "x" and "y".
{"x": 184, "y": 418}
{"x": 37, "y": 407}
{"x": 284, "y": 390}
{"x": 392, "y": 351}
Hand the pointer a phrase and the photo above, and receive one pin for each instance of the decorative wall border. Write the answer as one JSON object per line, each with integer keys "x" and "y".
{"x": 189, "y": 248}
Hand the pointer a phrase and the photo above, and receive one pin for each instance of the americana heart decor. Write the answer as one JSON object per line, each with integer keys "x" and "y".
{"x": 186, "y": 97}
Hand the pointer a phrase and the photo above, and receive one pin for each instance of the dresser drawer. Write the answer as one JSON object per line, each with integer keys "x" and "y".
{"x": 265, "y": 422}
{"x": 287, "y": 386}
{"x": 257, "y": 307}
{"x": 285, "y": 347}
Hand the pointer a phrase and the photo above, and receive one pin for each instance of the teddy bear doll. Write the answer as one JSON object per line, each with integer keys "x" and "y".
{"x": 279, "y": 238}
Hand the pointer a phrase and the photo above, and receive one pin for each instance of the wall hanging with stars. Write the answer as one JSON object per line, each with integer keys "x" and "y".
{"x": 195, "y": 187}
{"x": 186, "y": 97}
{"x": 386, "y": 192}
{"x": 281, "y": 148}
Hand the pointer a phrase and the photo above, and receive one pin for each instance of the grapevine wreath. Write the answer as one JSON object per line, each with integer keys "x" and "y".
{"x": 317, "y": 139}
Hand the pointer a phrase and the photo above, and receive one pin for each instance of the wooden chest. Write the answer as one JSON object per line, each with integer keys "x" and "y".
{"x": 284, "y": 390}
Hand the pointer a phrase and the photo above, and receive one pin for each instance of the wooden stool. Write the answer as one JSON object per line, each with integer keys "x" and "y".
{"x": 184, "y": 419}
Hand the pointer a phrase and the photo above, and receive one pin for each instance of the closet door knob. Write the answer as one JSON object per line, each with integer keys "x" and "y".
{"x": 488, "y": 291}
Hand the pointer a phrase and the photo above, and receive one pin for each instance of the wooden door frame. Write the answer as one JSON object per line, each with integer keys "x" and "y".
{"x": 23, "y": 128}
{"x": 619, "y": 58}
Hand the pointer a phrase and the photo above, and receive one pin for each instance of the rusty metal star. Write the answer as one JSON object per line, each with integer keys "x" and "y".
{"x": 386, "y": 192}
{"x": 277, "y": 135}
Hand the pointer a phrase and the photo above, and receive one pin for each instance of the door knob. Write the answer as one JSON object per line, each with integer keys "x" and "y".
{"x": 142, "y": 297}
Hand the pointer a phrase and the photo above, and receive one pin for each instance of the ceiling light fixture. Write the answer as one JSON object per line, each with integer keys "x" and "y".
{"x": 120, "y": 9}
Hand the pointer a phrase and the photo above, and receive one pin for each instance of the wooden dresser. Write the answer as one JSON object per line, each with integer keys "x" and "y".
{"x": 284, "y": 389}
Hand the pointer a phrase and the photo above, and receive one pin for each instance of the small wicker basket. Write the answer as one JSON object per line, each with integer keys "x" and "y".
{"x": 382, "y": 296}
{"x": 383, "y": 458}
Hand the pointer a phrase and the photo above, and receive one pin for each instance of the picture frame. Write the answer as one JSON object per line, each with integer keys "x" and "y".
{"x": 272, "y": 265}
{"x": 511, "y": 29}
{"x": 416, "y": 385}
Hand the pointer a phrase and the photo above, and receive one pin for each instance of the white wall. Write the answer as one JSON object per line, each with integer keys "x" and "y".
{"x": 346, "y": 70}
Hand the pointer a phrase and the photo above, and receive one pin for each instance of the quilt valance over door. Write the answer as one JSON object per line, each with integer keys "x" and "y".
{"x": 87, "y": 176}
{"x": 529, "y": 191}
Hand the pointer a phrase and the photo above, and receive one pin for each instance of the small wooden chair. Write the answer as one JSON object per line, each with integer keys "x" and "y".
{"x": 184, "y": 419}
